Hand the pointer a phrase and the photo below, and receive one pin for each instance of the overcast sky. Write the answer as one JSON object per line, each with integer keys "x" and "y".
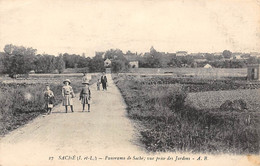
{"x": 77, "y": 26}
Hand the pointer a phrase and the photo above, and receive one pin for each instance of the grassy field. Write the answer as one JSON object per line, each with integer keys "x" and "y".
{"x": 195, "y": 72}
{"x": 213, "y": 99}
{"x": 171, "y": 124}
{"x": 22, "y": 99}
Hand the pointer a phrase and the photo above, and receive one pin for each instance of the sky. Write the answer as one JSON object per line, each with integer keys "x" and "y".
{"x": 86, "y": 26}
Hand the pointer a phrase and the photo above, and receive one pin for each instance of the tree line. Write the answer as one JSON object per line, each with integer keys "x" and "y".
{"x": 155, "y": 59}
{"x": 21, "y": 60}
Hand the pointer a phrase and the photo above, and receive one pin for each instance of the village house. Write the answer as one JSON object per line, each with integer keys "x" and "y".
{"x": 133, "y": 60}
{"x": 207, "y": 66}
{"x": 217, "y": 53}
{"x": 237, "y": 55}
{"x": 240, "y": 56}
{"x": 200, "y": 60}
{"x": 256, "y": 54}
{"x": 107, "y": 63}
{"x": 181, "y": 53}
{"x": 100, "y": 54}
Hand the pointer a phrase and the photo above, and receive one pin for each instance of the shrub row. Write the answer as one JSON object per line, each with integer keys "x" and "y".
{"x": 198, "y": 84}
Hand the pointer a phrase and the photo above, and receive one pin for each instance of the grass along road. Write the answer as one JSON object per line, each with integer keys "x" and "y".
{"x": 104, "y": 131}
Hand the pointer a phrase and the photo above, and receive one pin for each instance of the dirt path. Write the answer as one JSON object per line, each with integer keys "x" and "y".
{"x": 105, "y": 131}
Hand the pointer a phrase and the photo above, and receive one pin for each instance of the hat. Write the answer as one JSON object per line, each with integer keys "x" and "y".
{"x": 67, "y": 80}
{"x": 85, "y": 82}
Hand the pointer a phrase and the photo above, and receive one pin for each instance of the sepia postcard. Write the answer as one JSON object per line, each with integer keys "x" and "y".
{"x": 129, "y": 82}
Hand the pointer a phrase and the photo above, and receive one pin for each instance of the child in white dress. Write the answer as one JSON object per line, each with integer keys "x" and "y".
{"x": 68, "y": 94}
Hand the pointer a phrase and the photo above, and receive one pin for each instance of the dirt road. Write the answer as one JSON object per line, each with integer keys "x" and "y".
{"x": 104, "y": 131}
{"x": 94, "y": 138}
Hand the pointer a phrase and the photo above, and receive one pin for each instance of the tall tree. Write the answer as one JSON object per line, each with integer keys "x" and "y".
{"x": 227, "y": 54}
{"x": 18, "y": 59}
{"x": 60, "y": 64}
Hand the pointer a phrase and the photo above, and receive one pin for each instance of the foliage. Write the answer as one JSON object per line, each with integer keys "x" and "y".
{"x": 21, "y": 60}
{"x": 22, "y": 101}
{"x": 44, "y": 63}
{"x": 97, "y": 64}
{"x": 252, "y": 60}
{"x": 227, "y": 54}
{"x": 60, "y": 64}
{"x": 113, "y": 54}
{"x": 75, "y": 61}
{"x": 166, "y": 127}
{"x": 18, "y": 59}
{"x": 214, "y": 99}
{"x": 191, "y": 84}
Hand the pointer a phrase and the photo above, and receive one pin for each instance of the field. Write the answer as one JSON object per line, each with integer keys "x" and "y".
{"x": 177, "y": 116}
{"x": 213, "y": 99}
{"x": 22, "y": 99}
{"x": 195, "y": 72}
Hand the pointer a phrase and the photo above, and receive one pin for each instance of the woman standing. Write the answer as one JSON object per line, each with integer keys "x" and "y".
{"x": 68, "y": 94}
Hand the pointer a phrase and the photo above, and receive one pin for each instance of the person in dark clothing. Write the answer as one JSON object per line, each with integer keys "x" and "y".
{"x": 85, "y": 96}
{"x": 104, "y": 81}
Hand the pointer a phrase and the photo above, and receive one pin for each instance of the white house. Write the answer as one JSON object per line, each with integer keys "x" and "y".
{"x": 133, "y": 60}
{"x": 181, "y": 53}
{"x": 207, "y": 66}
{"x": 107, "y": 62}
{"x": 257, "y": 54}
{"x": 134, "y": 64}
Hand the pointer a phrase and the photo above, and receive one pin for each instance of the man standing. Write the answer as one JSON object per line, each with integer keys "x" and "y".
{"x": 104, "y": 81}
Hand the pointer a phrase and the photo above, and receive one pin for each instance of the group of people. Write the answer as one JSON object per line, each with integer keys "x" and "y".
{"x": 68, "y": 94}
{"x": 103, "y": 81}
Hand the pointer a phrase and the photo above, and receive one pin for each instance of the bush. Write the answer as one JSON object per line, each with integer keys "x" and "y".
{"x": 21, "y": 102}
{"x": 119, "y": 65}
{"x": 169, "y": 125}
{"x": 236, "y": 105}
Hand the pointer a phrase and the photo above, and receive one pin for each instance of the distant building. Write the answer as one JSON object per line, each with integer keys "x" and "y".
{"x": 200, "y": 60}
{"x": 181, "y": 53}
{"x": 236, "y": 55}
{"x": 201, "y": 54}
{"x": 253, "y": 72}
{"x": 32, "y": 72}
{"x": 133, "y": 60}
{"x": 218, "y": 54}
{"x": 107, "y": 62}
{"x": 240, "y": 56}
{"x": 134, "y": 64}
{"x": 207, "y": 66}
{"x": 103, "y": 55}
{"x": 100, "y": 54}
{"x": 257, "y": 54}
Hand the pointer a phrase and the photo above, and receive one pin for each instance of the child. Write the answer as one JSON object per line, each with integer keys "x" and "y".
{"x": 84, "y": 78}
{"x": 98, "y": 84}
{"x": 49, "y": 99}
{"x": 68, "y": 94}
{"x": 85, "y": 96}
